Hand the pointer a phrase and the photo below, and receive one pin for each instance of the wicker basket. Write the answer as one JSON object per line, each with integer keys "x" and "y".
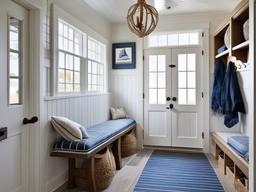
{"x": 128, "y": 144}
{"x": 105, "y": 168}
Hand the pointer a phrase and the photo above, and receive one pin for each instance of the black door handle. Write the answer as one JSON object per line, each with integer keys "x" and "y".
{"x": 171, "y": 106}
{"x": 174, "y": 99}
{"x": 30, "y": 121}
{"x": 168, "y": 99}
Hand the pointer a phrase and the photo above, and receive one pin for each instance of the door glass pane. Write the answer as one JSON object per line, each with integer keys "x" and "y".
{"x": 191, "y": 80}
{"x": 191, "y": 62}
{"x": 161, "y": 63}
{"x": 182, "y": 82}
{"x": 191, "y": 96}
{"x": 152, "y": 63}
{"x": 182, "y": 62}
{"x": 182, "y": 97}
{"x": 14, "y": 91}
{"x": 161, "y": 80}
{"x": 14, "y": 61}
{"x": 152, "y": 96}
{"x": 161, "y": 96}
{"x": 14, "y": 31}
{"x": 152, "y": 80}
{"x": 14, "y": 64}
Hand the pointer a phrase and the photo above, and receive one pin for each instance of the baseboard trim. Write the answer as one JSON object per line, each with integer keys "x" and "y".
{"x": 56, "y": 182}
{"x": 174, "y": 149}
{"x": 61, "y": 188}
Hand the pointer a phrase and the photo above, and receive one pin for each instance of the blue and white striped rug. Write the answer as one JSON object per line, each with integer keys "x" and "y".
{"x": 166, "y": 171}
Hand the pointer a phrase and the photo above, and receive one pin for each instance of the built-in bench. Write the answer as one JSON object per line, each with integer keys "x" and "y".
{"x": 100, "y": 136}
{"x": 230, "y": 161}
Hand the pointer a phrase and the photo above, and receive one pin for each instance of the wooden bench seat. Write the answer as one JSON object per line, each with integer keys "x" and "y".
{"x": 222, "y": 145}
{"x": 88, "y": 173}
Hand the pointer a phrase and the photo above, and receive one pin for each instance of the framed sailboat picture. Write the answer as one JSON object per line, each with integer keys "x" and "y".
{"x": 124, "y": 55}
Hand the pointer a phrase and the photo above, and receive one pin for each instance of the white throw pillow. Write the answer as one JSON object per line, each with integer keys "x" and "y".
{"x": 118, "y": 113}
{"x": 69, "y": 130}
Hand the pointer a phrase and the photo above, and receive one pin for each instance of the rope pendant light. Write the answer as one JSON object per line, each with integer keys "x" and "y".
{"x": 142, "y": 18}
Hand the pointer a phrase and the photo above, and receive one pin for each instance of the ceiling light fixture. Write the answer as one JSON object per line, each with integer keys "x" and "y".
{"x": 142, "y": 18}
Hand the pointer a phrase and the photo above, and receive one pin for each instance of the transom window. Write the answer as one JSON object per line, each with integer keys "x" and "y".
{"x": 76, "y": 49}
{"x": 15, "y": 61}
{"x": 157, "y": 79}
{"x": 187, "y": 79}
{"x": 174, "y": 39}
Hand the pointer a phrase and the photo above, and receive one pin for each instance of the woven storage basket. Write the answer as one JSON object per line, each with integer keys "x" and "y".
{"x": 128, "y": 144}
{"x": 105, "y": 168}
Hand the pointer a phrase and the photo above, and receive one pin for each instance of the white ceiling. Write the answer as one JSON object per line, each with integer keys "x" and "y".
{"x": 116, "y": 10}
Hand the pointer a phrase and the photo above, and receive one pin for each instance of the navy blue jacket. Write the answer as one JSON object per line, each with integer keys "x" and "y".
{"x": 219, "y": 75}
{"x": 231, "y": 97}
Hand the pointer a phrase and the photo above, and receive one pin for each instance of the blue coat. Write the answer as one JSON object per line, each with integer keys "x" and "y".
{"x": 231, "y": 97}
{"x": 219, "y": 75}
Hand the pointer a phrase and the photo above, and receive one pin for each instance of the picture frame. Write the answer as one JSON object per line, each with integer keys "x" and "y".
{"x": 124, "y": 55}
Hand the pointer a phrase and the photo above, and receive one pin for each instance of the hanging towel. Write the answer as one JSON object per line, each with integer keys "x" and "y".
{"x": 231, "y": 97}
{"x": 219, "y": 74}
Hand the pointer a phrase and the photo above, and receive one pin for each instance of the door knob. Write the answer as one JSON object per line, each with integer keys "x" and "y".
{"x": 171, "y": 106}
{"x": 30, "y": 121}
{"x": 174, "y": 98}
{"x": 168, "y": 99}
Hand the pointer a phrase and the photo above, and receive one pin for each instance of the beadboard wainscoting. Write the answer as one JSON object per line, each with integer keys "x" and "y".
{"x": 87, "y": 110}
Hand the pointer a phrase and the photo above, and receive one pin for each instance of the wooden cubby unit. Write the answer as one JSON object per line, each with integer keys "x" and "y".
{"x": 239, "y": 46}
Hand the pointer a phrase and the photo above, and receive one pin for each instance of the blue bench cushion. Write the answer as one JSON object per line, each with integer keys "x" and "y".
{"x": 240, "y": 144}
{"x": 98, "y": 134}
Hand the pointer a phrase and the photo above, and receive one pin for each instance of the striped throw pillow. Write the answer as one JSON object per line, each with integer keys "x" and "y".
{"x": 69, "y": 130}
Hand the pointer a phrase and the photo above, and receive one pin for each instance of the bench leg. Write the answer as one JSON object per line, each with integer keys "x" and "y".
{"x": 91, "y": 174}
{"x": 116, "y": 149}
{"x": 71, "y": 178}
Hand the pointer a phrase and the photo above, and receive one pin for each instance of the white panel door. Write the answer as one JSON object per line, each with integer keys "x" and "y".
{"x": 187, "y": 105}
{"x": 157, "y": 118}
{"x": 13, "y": 96}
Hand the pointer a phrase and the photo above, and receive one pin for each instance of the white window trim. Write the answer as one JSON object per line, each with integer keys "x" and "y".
{"x": 58, "y": 13}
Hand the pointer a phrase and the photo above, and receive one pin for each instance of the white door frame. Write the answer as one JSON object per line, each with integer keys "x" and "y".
{"x": 205, "y": 76}
{"x": 36, "y": 165}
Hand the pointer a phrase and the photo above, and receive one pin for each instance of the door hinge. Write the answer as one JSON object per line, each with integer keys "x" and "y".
{"x": 143, "y": 57}
{"x": 143, "y": 95}
{"x": 202, "y": 52}
{"x": 202, "y": 34}
{"x": 202, "y": 94}
{"x": 202, "y": 135}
